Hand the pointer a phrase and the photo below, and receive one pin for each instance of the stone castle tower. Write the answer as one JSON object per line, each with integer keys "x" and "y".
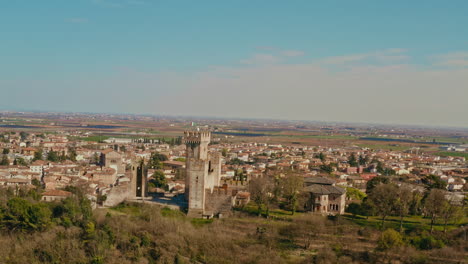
{"x": 139, "y": 182}
{"x": 203, "y": 172}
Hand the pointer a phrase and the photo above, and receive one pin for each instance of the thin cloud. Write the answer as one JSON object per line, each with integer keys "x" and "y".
{"x": 453, "y": 59}
{"x": 273, "y": 56}
{"x": 388, "y": 56}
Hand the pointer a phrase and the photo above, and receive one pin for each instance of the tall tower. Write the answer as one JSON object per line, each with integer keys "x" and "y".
{"x": 199, "y": 171}
{"x": 139, "y": 180}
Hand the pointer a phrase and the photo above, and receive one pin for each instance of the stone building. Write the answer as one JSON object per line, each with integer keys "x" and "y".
{"x": 112, "y": 159}
{"x": 139, "y": 180}
{"x": 203, "y": 173}
{"x": 54, "y": 195}
{"x": 132, "y": 186}
{"x": 324, "y": 196}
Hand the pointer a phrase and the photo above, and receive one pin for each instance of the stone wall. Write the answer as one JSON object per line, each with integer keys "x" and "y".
{"x": 118, "y": 194}
{"x": 219, "y": 201}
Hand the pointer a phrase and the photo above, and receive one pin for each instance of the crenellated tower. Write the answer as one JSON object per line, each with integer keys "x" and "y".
{"x": 203, "y": 170}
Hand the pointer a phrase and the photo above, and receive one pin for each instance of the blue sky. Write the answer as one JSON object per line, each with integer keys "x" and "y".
{"x": 103, "y": 55}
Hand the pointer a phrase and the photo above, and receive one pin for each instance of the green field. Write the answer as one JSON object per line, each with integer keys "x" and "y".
{"x": 342, "y": 137}
{"x": 409, "y": 223}
{"x": 91, "y": 138}
{"x": 385, "y": 147}
{"x": 452, "y": 154}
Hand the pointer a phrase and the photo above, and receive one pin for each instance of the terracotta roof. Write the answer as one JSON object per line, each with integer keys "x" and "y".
{"x": 318, "y": 180}
{"x": 56, "y": 193}
{"x": 107, "y": 151}
{"x": 174, "y": 163}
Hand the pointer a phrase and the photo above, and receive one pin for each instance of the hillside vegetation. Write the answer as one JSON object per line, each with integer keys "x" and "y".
{"x": 69, "y": 232}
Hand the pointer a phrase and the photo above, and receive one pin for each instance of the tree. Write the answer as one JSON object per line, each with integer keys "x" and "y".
{"x": 374, "y": 182}
{"x": 22, "y": 215}
{"x": 451, "y": 212}
{"x": 326, "y": 168}
{"x": 20, "y": 161}
{"x": 354, "y": 209}
{"x": 52, "y": 156}
{"x": 304, "y": 229}
{"x": 434, "y": 182}
{"x": 159, "y": 180}
{"x": 363, "y": 160}
{"x": 291, "y": 185}
{"x": 352, "y": 161}
{"x": 101, "y": 198}
{"x": 6, "y": 151}
{"x": 434, "y": 205}
{"x": 367, "y": 208}
{"x": 321, "y": 156}
{"x": 38, "y": 155}
{"x": 235, "y": 161}
{"x": 23, "y": 135}
{"x": 389, "y": 239}
{"x": 383, "y": 199}
{"x": 224, "y": 152}
{"x": 95, "y": 159}
{"x": 261, "y": 192}
{"x": 156, "y": 160}
{"x": 416, "y": 203}
{"x": 37, "y": 183}
{"x": 354, "y": 193}
{"x": 404, "y": 196}
{"x": 72, "y": 154}
{"x": 4, "y": 161}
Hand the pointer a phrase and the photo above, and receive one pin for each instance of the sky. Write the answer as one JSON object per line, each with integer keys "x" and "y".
{"x": 390, "y": 62}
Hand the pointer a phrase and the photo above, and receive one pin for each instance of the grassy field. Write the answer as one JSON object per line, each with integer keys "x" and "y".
{"x": 410, "y": 223}
{"x": 331, "y": 137}
{"x": 280, "y": 214}
{"x": 448, "y": 139}
{"x": 390, "y": 146}
{"x": 452, "y": 154}
{"x": 91, "y": 138}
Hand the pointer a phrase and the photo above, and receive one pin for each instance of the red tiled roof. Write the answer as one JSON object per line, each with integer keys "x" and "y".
{"x": 56, "y": 193}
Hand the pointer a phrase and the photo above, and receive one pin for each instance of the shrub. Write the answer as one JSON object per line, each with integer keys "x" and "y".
{"x": 389, "y": 239}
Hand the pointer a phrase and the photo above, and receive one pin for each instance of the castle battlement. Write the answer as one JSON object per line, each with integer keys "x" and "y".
{"x": 203, "y": 170}
{"x": 196, "y": 137}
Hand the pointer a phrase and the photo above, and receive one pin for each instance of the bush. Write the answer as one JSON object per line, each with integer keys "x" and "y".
{"x": 426, "y": 242}
{"x": 389, "y": 239}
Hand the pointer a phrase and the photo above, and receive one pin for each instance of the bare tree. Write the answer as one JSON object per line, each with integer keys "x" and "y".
{"x": 383, "y": 200}
{"x": 305, "y": 229}
{"x": 261, "y": 192}
{"x": 291, "y": 186}
{"x": 451, "y": 212}
{"x": 404, "y": 197}
{"x": 434, "y": 205}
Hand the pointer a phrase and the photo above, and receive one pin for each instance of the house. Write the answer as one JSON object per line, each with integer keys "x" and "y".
{"x": 55, "y": 195}
{"x": 173, "y": 165}
{"x": 323, "y": 196}
{"x": 112, "y": 159}
{"x": 241, "y": 199}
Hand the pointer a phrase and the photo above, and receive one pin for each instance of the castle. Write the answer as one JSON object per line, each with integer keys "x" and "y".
{"x": 203, "y": 173}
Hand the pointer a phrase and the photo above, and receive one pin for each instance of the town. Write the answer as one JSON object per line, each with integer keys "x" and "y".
{"x": 214, "y": 170}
